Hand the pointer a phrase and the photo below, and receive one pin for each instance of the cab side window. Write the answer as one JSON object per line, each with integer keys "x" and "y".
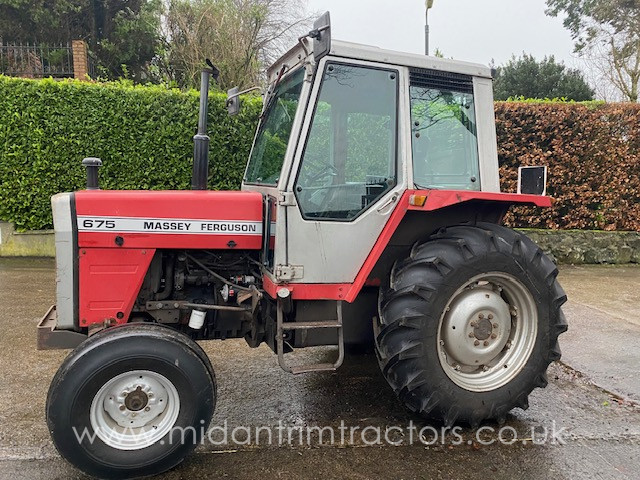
{"x": 445, "y": 143}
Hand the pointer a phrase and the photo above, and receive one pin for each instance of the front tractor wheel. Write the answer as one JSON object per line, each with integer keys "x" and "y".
{"x": 469, "y": 324}
{"x": 131, "y": 401}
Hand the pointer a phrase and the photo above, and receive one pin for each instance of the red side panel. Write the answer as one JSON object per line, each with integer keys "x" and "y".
{"x": 169, "y": 219}
{"x": 308, "y": 291}
{"x": 110, "y": 279}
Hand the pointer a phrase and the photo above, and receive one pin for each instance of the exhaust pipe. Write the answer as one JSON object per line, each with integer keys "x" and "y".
{"x": 201, "y": 139}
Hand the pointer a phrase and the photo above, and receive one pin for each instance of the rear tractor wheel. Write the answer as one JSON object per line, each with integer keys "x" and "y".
{"x": 469, "y": 324}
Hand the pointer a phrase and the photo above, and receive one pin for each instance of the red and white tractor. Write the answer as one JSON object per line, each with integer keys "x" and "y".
{"x": 370, "y": 211}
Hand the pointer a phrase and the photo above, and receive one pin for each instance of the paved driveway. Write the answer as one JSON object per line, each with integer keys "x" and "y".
{"x": 589, "y": 412}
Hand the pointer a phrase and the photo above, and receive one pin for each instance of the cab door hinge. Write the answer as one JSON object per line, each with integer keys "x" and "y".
{"x": 288, "y": 272}
{"x": 287, "y": 199}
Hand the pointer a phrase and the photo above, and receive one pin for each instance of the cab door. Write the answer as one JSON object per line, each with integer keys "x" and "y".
{"x": 348, "y": 171}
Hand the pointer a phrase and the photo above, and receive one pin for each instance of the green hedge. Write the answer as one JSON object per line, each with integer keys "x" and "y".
{"x": 143, "y": 134}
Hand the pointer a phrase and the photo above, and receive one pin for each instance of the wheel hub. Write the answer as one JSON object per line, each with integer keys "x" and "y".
{"x": 487, "y": 332}
{"x": 482, "y": 329}
{"x": 136, "y": 400}
{"x": 476, "y": 327}
{"x": 134, "y": 409}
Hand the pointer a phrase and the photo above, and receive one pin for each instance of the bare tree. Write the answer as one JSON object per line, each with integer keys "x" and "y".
{"x": 607, "y": 36}
{"x": 614, "y": 76}
{"x": 597, "y": 75}
{"x": 240, "y": 36}
{"x": 624, "y": 64}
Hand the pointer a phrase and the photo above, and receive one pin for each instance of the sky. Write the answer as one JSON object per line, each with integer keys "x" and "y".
{"x": 471, "y": 30}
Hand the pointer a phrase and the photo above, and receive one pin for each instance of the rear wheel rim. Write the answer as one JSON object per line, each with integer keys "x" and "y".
{"x": 134, "y": 410}
{"x": 487, "y": 332}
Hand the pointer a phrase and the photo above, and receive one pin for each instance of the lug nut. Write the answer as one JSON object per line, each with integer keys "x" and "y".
{"x": 493, "y": 336}
{"x": 471, "y": 335}
{"x": 481, "y": 316}
{"x": 486, "y": 343}
{"x": 473, "y": 324}
{"x": 495, "y": 325}
{"x": 476, "y": 343}
{"x": 122, "y": 407}
{"x": 490, "y": 317}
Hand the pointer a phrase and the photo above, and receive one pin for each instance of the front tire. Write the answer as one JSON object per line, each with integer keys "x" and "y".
{"x": 469, "y": 324}
{"x": 131, "y": 401}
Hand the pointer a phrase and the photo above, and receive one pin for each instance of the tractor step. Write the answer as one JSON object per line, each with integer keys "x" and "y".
{"x": 283, "y": 326}
{"x": 309, "y": 325}
{"x": 319, "y": 367}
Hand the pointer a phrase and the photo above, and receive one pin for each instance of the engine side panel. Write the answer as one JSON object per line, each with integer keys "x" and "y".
{"x": 110, "y": 280}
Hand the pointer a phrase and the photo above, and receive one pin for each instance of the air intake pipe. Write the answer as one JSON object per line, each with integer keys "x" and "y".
{"x": 201, "y": 139}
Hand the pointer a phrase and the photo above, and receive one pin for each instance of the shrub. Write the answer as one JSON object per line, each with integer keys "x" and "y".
{"x": 143, "y": 134}
{"x": 592, "y": 151}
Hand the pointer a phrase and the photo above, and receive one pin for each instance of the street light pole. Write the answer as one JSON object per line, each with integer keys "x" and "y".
{"x": 429, "y": 4}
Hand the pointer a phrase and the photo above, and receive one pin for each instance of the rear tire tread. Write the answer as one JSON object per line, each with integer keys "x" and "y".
{"x": 399, "y": 341}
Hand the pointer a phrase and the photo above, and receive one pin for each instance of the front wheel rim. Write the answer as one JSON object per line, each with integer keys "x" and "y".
{"x": 487, "y": 332}
{"x": 134, "y": 410}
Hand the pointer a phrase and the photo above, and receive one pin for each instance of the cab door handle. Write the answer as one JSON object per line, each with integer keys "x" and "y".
{"x": 382, "y": 208}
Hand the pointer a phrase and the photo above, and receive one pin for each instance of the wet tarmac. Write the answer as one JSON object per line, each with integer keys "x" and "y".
{"x": 585, "y": 424}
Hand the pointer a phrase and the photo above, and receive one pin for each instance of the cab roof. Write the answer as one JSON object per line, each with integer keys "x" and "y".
{"x": 358, "y": 51}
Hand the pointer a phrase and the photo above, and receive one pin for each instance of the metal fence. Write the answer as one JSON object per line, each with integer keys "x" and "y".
{"x": 39, "y": 61}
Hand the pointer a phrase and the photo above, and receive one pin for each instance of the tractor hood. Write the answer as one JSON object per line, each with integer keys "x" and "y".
{"x": 168, "y": 219}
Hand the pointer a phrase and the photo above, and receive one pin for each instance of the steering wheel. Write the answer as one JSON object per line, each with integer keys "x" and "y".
{"x": 324, "y": 172}
{"x": 319, "y": 195}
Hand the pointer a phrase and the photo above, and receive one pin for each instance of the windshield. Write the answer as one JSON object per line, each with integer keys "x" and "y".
{"x": 271, "y": 142}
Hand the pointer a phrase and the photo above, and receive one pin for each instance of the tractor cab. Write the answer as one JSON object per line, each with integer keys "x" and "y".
{"x": 348, "y": 130}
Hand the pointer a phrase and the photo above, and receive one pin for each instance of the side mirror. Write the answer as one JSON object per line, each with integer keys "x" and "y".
{"x": 233, "y": 101}
{"x": 321, "y": 35}
{"x": 532, "y": 180}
